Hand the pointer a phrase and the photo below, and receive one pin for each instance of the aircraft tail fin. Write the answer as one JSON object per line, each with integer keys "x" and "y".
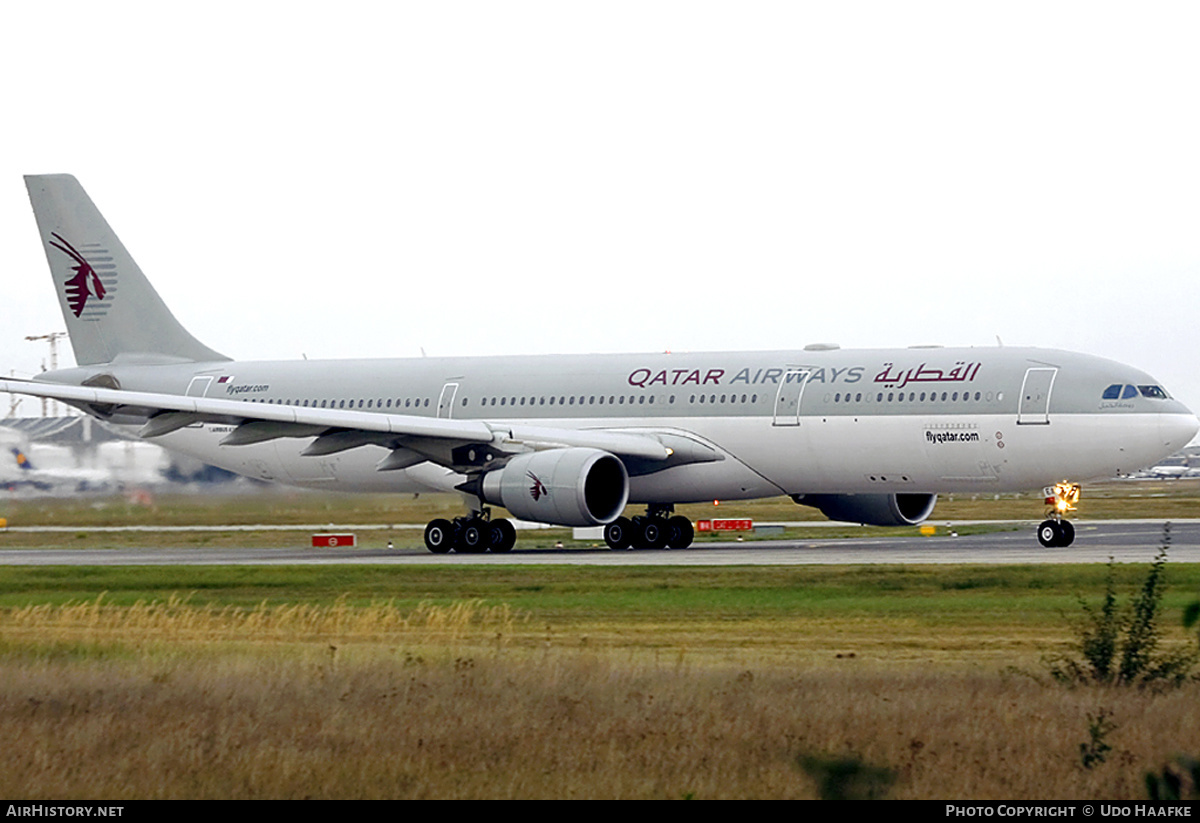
{"x": 22, "y": 461}
{"x": 108, "y": 304}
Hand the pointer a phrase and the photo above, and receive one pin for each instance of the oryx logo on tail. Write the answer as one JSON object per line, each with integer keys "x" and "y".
{"x": 86, "y": 283}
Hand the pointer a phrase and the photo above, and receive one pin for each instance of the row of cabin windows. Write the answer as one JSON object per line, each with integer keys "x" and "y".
{"x": 593, "y": 400}
{"x": 915, "y": 397}
{"x": 610, "y": 400}
{"x": 405, "y": 403}
{"x": 703, "y": 399}
{"x": 562, "y": 400}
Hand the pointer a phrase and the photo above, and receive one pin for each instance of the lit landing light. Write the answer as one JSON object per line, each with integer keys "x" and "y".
{"x": 1062, "y": 497}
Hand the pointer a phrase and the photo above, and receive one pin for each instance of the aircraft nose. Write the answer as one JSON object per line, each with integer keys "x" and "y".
{"x": 1177, "y": 430}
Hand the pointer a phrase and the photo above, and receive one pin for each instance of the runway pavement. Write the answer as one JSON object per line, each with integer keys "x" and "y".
{"x": 1095, "y": 542}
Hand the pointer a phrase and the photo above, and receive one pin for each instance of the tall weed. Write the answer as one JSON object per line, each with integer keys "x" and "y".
{"x": 1120, "y": 646}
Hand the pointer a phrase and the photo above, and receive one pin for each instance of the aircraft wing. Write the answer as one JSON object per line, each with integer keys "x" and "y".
{"x": 335, "y": 430}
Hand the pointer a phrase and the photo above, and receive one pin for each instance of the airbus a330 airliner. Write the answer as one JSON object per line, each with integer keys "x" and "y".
{"x": 867, "y": 436}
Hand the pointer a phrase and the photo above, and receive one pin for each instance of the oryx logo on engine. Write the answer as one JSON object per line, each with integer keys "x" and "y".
{"x": 538, "y": 490}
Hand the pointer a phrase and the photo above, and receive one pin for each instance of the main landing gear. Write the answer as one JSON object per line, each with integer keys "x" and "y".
{"x": 1055, "y": 531}
{"x": 475, "y": 534}
{"x": 658, "y": 529}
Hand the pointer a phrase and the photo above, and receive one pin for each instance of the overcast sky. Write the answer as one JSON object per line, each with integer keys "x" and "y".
{"x": 374, "y": 178}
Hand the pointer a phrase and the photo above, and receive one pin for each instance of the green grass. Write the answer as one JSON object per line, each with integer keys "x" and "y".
{"x": 1034, "y": 594}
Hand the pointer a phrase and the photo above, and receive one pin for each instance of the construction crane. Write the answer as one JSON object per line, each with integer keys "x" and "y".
{"x": 52, "y": 339}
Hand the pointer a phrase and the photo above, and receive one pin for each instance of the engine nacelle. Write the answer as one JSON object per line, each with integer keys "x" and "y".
{"x": 872, "y": 509}
{"x": 567, "y": 487}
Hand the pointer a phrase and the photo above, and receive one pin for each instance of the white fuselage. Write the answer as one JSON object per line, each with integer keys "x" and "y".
{"x": 800, "y": 422}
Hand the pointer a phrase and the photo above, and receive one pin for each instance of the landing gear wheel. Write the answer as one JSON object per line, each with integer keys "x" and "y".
{"x": 1056, "y": 531}
{"x": 472, "y": 537}
{"x": 679, "y": 532}
{"x": 501, "y": 536}
{"x": 1050, "y": 534}
{"x": 439, "y": 536}
{"x": 649, "y": 533}
{"x": 619, "y": 533}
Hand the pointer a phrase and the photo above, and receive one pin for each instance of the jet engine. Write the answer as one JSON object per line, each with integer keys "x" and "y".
{"x": 567, "y": 487}
{"x": 872, "y": 509}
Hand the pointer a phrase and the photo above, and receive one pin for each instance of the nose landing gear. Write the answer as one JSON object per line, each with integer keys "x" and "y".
{"x": 1056, "y": 531}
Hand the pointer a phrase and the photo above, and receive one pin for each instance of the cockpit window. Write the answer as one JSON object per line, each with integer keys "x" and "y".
{"x": 1126, "y": 392}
